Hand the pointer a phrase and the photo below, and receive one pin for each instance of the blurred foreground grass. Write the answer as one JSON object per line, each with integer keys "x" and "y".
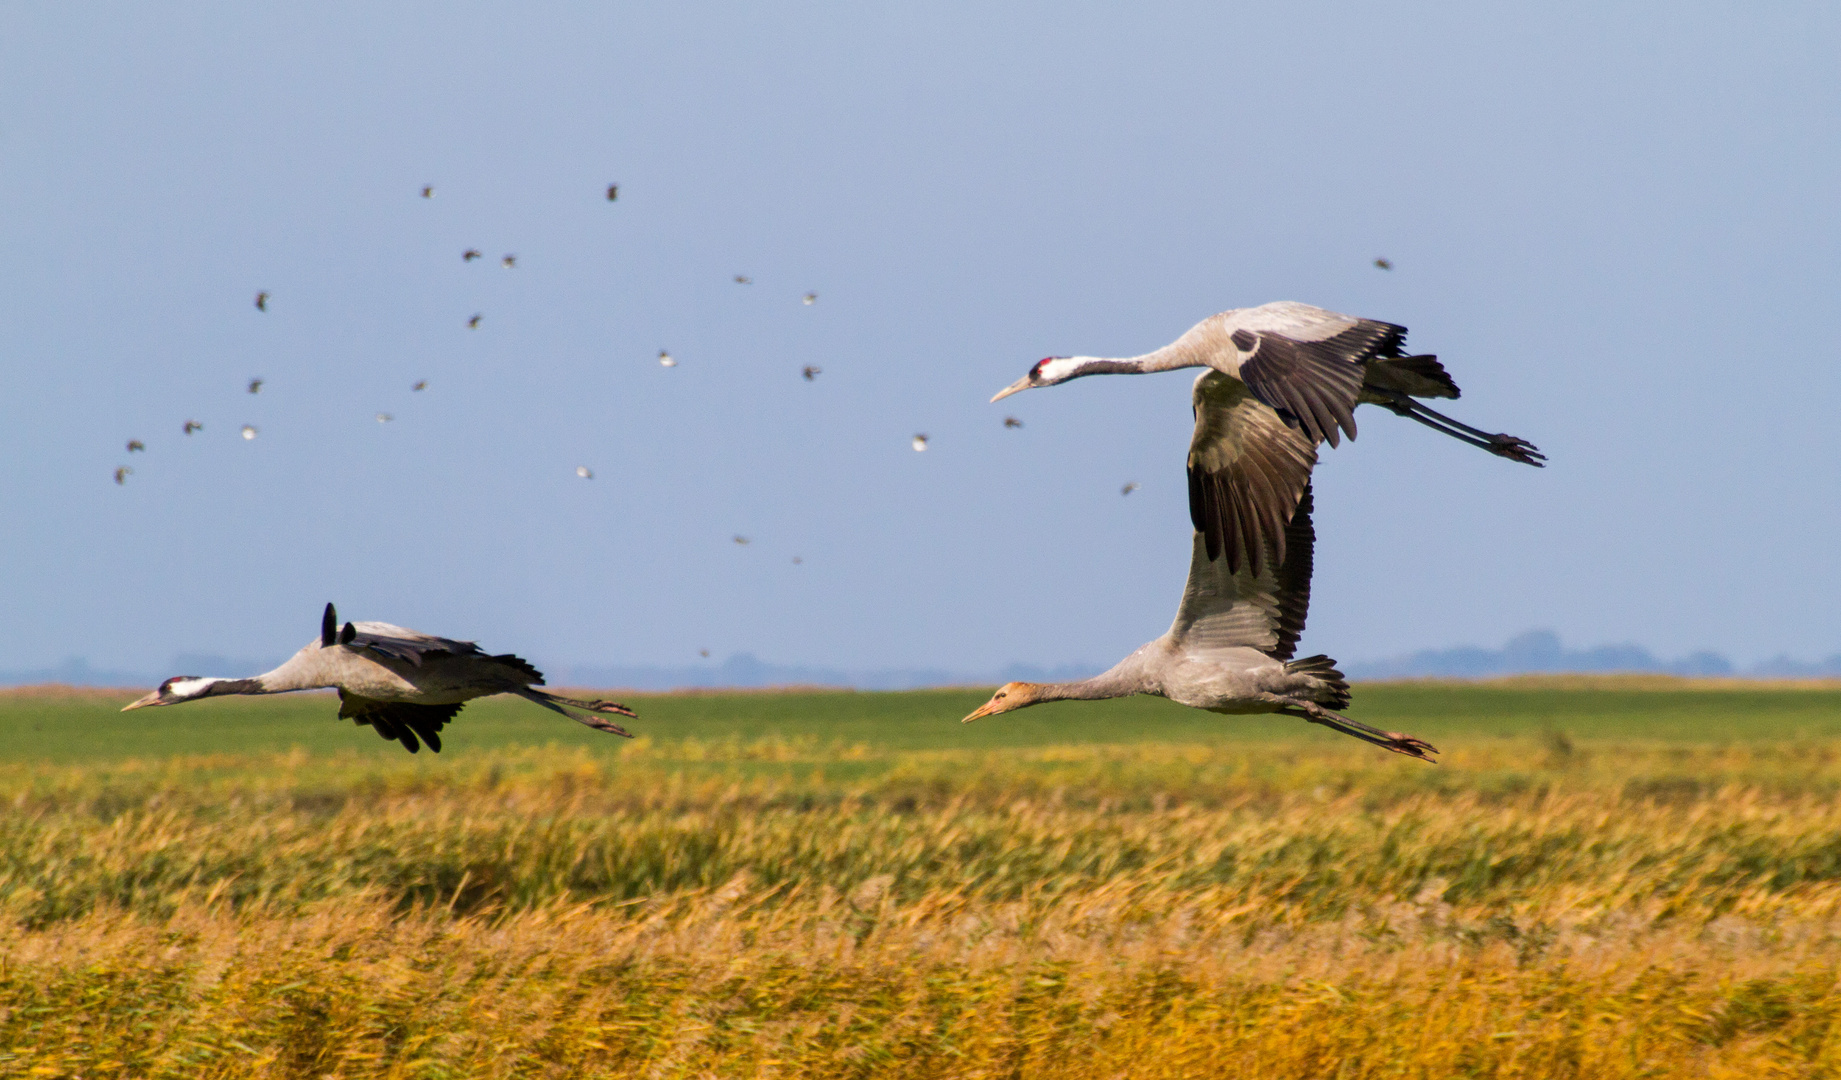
{"x": 1618, "y": 879}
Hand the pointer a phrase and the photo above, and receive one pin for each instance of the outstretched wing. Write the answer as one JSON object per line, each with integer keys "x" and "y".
{"x": 1247, "y": 470}
{"x": 1224, "y": 608}
{"x": 399, "y": 720}
{"x": 1309, "y": 363}
{"x": 398, "y": 643}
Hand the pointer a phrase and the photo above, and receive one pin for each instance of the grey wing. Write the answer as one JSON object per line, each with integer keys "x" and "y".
{"x": 398, "y": 643}
{"x": 1247, "y": 470}
{"x": 1310, "y": 363}
{"x": 398, "y": 720}
{"x": 1224, "y": 608}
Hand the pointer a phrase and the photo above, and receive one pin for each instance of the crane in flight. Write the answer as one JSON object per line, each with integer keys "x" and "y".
{"x": 402, "y": 683}
{"x": 1313, "y": 367}
{"x": 1230, "y": 649}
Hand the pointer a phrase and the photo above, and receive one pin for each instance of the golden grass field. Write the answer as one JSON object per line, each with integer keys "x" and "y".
{"x": 1602, "y": 879}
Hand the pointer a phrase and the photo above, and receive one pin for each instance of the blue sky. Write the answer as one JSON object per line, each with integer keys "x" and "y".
{"x": 1617, "y": 225}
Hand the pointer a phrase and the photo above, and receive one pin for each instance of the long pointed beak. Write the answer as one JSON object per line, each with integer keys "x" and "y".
{"x": 150, "y": 699}
{"x": 983, "y": 710}
{"x": 1020, "y": 384}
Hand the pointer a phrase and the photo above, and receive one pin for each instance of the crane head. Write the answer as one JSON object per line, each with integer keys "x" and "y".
{"x": 1048, "y": 371}
{"x": 1009, "y": 696}
{"x": 174, "y": 690}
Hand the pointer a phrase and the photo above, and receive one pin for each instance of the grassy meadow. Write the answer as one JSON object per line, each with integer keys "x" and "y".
{"x": 1604, "y": 878}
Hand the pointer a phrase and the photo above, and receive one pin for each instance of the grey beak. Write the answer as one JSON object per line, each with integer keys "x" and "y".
{"x": 1020, "y": 384}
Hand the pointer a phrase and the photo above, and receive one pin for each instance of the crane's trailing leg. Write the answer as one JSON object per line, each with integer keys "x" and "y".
{"x": 555, "y": 704}
{"x": 1512, "y": 447}
{"x": 1398, "y": 742}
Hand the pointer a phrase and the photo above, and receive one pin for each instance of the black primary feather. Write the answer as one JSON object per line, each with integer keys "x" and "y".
{"x": 329, "y": 628}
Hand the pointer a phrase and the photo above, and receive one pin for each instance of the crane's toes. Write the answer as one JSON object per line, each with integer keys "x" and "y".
{"x": 611, "y": 707}
{"x": 1517, "y": 449}
{"x": 1401, "y": 743}
{"x": 606, "y": 725}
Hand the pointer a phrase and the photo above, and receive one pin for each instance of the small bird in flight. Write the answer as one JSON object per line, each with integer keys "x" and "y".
{"x": 1012, "y": 422}
{"x": 743, "y": 541}
{"x": 613, "y": 192}
{"x": 584, "y": 472}
{"x": 122, "y": 474}
{"x": 509, "y": 262}
{"x": 1384, "y": 264}
{"x": 665, "y": 359}
{"x": 797, "y": 560}
{"x": 384, "y": 418}
{"x": 428, "y": 191}
{"x": 421, "y": 384}
{"x": 193, "y": 425}
{"x": 812, "y": 373}
{"x": 255, "y": 386}
{"x": 920, "y": 443}
{"x": 1130, "y": 487}
{"x": 249, "y": 431}
{"x": 473, "y": 323}
{"x": 705, "y": 653}
{"x": 262, "y": 301}
{"x": 136, "y": 444}
{"x": 743, "y": 279}
{"x": 810, "y": 299}
{"x": 469, "y": 255}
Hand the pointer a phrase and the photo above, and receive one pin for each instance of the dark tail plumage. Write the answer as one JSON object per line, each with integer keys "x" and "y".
{"x": 1336, "y": 688}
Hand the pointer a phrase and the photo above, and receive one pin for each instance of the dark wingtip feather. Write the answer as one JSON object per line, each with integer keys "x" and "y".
{"x": 346, "y": 635}
{"x": 329, "y": 627}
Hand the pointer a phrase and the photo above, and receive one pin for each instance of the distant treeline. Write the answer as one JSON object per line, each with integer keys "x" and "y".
{"x": 1537, "y": 651}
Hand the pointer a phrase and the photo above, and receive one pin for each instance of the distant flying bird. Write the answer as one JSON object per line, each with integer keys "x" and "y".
{"x": 384, "y": 418}
{"x": 1313, "y": 367}
{"x": 742, "y": 540}
{"x": 743, "y": 279}
{"x": 812, "y": 373}
{"x": 1129, "y": 487}
{"x": 249, "y": 431}
{"x": 122, "y": 474}
{"x": 470, "y": 254}
{"x": 584, "y": 472}
{"x": 136, "y": 444}
{"x": 665, "y": 360}
{"x": 255, "y": 386}
{"x": 262, "y": 301}
{"x": 797, "y": 560}
{"x": 1230, "y": 648}
{"x": 405, "y": 685}
{"x": 810, "y": 299}
{"x": 920, "y": 443}
{"x": 705, "y": 653}
{"x": 193, "y": 425}
{"x": 1385, "y": 264}
{"x": 421, "y": 384}
{"x": 473, "y": 323}
{"x": 509, "y": 262}
{"x": 428, "y": 191}
{"x": 613, "y": 192}
{"x": 1012, "y": 422}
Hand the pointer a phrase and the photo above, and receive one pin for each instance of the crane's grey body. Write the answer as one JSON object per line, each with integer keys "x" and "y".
{"x": 1312, "y": 368}
{"x": 1230, "y": 648}
{"x": 401, "y": 682}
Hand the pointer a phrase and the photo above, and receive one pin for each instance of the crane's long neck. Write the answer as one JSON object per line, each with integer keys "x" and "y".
{"x": 1168, "y": 358}
{"x": 1125, "y": 679}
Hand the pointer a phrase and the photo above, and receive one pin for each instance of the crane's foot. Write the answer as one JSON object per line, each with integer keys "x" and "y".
{"x": 1516, "y": 449}
{"x": 597, "y": 705}
{"x": 1396, "y": 741}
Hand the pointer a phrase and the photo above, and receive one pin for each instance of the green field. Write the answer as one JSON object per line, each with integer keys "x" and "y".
{"x": 1602, "y": 878}
{"x": 85, "y": 727}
